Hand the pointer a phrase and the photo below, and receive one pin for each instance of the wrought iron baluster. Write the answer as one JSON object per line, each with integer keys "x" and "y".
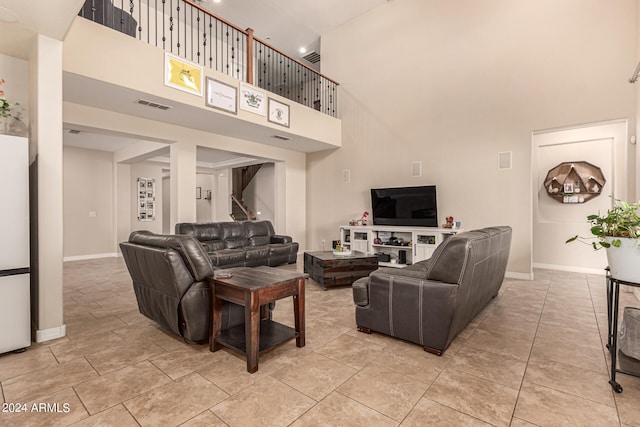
{"x": 210, "y": 44}
{"x": 171, "y": 25}
{"x": 227, "y": 45}
{"x": 164, "y": 38}
{"x": 140, "y": 21}
{"x": 178, "y": 27}
{"x": 239, "y": 52}
{"x": 204, "y": 38}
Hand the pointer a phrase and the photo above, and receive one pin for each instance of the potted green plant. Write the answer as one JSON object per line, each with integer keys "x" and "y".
{"x": 617, "y": 231}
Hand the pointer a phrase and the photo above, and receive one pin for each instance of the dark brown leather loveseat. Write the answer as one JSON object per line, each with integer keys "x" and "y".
{"x": 242, "y": 244}
{"x": 431, "y": 302}
{"x": 169, "y": 279}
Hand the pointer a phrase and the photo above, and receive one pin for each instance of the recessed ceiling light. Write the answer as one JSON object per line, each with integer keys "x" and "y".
{"x": 7, "y": 15}
{"x": 303, "y": 50}
{"x": 216, "y": 1}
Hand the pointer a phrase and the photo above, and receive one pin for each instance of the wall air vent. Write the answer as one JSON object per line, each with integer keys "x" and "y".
{"x": 282, "y": 137}
{"x": 312, "y": 57}
{"x": 152, "y": 104}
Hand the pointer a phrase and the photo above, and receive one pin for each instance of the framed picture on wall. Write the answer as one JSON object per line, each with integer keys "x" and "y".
{"x": 221, "y": 96}
{"x": 183, "y": 75}
{"x": 278, "y": 113}
{"x": 253, "y": 99}
{"x": 146, "y": 199}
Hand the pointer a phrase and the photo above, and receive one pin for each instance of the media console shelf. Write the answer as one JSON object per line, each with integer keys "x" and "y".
{"x": 394, "y": 242}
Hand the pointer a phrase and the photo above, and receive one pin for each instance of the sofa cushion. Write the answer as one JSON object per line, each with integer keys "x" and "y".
{"x": 256, "y": 255}
{"x": 228, "y": 258}
{"x": 203, "y": 232}
{"x": 233, "y": 234}
{"x": 280, "y": 249}
{"x": 258, "y": 232}
{"x": 213, "y": 245}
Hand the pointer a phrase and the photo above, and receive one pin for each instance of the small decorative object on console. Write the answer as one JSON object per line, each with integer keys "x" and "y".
{"x": 449, "y": 223}
{"x": 363, "y": 220}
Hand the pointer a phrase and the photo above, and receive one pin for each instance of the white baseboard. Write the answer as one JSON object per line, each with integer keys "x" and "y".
{"x": 91, "y": 256}
{"x": 521, "y": 276}
{"x": 571, "y": 269}
{"x": 51, "y": 334}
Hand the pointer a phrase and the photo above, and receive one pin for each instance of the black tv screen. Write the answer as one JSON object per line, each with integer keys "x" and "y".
{"x": 409, "y": 206}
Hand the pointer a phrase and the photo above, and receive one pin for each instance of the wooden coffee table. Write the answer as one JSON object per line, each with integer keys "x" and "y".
{"x": 329, "y": 269}
{"x": 253, "y": 288}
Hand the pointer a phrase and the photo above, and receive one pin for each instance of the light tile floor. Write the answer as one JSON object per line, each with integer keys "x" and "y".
{"x": 534, "y": 356}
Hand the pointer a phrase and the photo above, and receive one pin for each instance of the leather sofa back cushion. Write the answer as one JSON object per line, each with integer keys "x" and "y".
{"x": 259, "y": 233}
{"x": 233, "y": 234}
{"x": 202, "y": 232}
{"x": 191, "y": 251}
{"x": 213, "y": 245}
{"x": 447, "y": 261}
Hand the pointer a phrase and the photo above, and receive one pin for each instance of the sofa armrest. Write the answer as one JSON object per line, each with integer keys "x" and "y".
{"x": 279, "y": 238}
{"x": 360, "y": 290}
{"x": 411, "y": 308}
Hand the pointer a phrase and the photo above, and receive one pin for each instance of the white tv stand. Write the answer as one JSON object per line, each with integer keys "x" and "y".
{"x": 417, "y": 242}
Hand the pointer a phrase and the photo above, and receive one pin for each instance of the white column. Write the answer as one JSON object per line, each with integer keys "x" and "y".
{"x": 183, "y": 183}
{"x": 45, "y": 103}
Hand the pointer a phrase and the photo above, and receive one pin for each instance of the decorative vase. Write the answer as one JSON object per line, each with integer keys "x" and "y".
{"x": 624, "y": 261}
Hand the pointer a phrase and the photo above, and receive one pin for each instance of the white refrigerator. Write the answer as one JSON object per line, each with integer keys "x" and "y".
{"x": 15, "y": 318}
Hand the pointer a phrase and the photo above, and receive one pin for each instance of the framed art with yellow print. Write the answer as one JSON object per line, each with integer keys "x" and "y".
{"x": 183, "y": 75}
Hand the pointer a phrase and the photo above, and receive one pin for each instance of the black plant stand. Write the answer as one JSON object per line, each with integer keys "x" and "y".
{"x": 613, "y": 298}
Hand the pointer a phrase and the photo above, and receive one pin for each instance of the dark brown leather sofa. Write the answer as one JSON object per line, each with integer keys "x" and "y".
{"x": 169, "y": 279}
{"x": 242, "y": 244}
{"x": 431, "y": 302}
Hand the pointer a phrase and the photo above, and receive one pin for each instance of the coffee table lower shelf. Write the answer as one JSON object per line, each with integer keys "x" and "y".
{"x": 272, "y": 334}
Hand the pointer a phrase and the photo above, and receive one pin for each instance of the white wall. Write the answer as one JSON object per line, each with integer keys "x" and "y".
{"x": 124, "y": 203}
{"x": 45, "y": 144}
{"x": 204, "y": 207}
{"x": 221, "y": 192}
{"x": 453, "y": 83}
{"x": 148, "y": 171}
{"x": 260, "y": 193}
{"x": 88, "y": 202}
{"x": 15, "y": 72}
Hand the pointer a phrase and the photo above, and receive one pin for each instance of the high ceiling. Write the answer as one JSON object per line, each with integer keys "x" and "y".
{"x": 286, "y": 24}
{"x": 291, "y": 24}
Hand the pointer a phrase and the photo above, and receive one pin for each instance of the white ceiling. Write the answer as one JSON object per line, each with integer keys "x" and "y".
{"x": 291, "y": 24}
{"x": 285, "y": 24}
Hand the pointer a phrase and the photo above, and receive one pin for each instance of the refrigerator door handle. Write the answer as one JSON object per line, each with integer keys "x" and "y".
{"x": 14, "y": 271}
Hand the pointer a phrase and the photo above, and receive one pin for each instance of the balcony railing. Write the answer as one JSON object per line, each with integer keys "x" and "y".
{"x": 197, "y": 35}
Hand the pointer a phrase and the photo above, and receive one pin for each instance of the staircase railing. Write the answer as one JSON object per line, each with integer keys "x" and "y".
{"x": 238, "y": 206}
{"x": 197, "y": 35}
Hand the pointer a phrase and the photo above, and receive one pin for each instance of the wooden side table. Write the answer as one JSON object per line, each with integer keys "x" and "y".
{"x": 253, "y": 288}
{"x": 613, "y": 299}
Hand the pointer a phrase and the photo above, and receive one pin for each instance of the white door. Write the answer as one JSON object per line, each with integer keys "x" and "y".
{"x": 603, "y": 145}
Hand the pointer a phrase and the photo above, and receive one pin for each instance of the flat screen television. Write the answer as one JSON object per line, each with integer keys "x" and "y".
{"x": 409, "y": 206}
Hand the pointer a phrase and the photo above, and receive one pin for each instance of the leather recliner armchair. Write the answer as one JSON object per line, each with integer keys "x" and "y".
{"x": 432, "y": 301}
{"x": 169, "y": 279}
